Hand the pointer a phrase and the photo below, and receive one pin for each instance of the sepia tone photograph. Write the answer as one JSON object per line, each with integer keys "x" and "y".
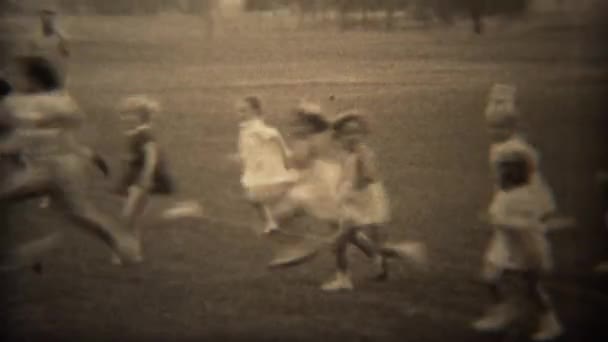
{"x": 304, "y": 170}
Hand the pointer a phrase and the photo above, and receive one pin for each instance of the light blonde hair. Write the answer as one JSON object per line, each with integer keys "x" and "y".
{"x": 141, "y": 105}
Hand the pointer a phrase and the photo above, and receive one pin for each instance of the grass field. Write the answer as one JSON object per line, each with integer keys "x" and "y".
{"x": 425, "y": 92}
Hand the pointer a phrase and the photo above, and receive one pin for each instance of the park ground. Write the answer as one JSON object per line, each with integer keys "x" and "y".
{"x": 424, "y": 90}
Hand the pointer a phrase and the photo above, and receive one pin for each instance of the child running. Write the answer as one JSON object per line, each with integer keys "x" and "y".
{"x": 503, "y": 120}
{"x": 519, "y": 246}
{"x": 43, "y": 119}
{"x": 51, "y": 43}
{"x": 264, "y": 158}
{"x": 316, "y": 158}
{"x": 146, "y": 171}
{"x": 364, "y": 205}
{"x": 520, "y": 213}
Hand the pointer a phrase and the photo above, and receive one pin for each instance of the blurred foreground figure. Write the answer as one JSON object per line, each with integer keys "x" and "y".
{"x": 146, "y": 171}
{"x": 44, "y": 118}
{"x": 520, "y": 214}
{"x": 51, "y": 43}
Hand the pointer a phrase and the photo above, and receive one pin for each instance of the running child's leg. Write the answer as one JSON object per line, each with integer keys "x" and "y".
{"x": 342, "y": 280}
{"x": 70, "y": 193}
{"x": 134, "y": 207}
{"x": 549, "y": 326}
{"x": 271, "y": 224}
{"x": 87, "y": 217}
{"x": 500, "y": 314}
{"x": 370, "y": 246}
{"x": 137, "y": 200}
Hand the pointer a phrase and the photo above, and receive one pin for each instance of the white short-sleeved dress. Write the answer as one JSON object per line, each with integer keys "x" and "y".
{"x": 519, "y": 240}
{"x": 315, "y": 192}
{"x": 265, "y": 176}
{"x": 366, "y": 205}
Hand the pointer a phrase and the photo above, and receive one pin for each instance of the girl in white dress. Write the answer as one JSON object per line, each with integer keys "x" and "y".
{"x": 503, "y": 120}
{"x": 519, "y": 246}
{"x": 531, "y": 205}
{"x": 363, "y": 205}
{"x": 264, "y": 158}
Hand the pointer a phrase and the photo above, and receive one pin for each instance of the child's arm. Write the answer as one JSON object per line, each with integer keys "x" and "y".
{"x": 286, "y": 152}
{"x": 60, "y": 114}
{"x": 150, "y": 165}
{"x": 95, "y": 158}
{"x": 367, "y": 168}
{"x": 300, "y": 155}
{"x": 22, "y": 138}
{"x": 519, "y": 218}
{"x": 63, "y": 44}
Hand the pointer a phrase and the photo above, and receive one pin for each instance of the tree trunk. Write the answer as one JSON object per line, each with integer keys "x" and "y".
{"x": 476, "y": 10}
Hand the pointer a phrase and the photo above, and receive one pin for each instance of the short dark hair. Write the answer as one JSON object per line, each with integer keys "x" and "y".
{"x": 42, "y": 71}
{"x": 254, "y": 102}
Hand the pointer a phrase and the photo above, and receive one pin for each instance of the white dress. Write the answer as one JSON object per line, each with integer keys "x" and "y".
{"x": 262, "y": 150}
{"x": 315, "y": 192}
{"x": 519, "y": 241}
{"x": 365, "y": 205}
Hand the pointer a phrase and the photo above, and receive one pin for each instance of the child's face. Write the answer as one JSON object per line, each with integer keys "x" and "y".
{"x": 245, "y": 111}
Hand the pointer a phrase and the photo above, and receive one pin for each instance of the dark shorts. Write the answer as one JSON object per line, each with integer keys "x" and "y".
{"x": 162, "y": 183}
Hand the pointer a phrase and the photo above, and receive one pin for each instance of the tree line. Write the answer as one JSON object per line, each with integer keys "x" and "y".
{"x": 443, "y": 10}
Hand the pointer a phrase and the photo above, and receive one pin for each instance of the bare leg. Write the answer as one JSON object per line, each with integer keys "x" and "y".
{"x": 341, "y": 249}
{"x": 549, "y": 326}
{"x": 370, "y": 247}
{"x": 342, "y": 279}
{"x": 86, "y": 216}
{"x": 501, "y": 313}
{"x": 270, "y": 224}
{"x": 134, "y": 208}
